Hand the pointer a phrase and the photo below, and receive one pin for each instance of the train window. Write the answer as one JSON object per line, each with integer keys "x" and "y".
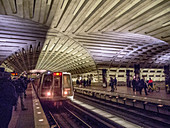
{"x": 47, "y": 82}
{"x": 66, "y": 80}
{"x": 57, "y": 81}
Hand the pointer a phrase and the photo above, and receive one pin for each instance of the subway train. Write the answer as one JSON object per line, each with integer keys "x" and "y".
{"x": 54, "y": 87}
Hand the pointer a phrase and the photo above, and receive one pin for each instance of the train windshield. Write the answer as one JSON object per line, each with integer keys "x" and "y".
{"x": 66, "y": 81}
{"x": 47, "y": 81}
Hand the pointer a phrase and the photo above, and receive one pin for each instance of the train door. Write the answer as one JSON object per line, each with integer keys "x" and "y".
{"x": 57, "y": 84}
{"x": 67, "y": 85}
{"x": 46, "y": 84}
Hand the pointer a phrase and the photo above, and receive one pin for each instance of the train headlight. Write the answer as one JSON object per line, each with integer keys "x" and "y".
{"x": 65, "y": 92}
{"x": 48, "y": 93}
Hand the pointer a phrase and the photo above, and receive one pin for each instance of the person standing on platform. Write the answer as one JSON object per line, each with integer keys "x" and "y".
{"x": 134, "y": 84}
{"x": 20, "y": 87}
{"x": 115, "y": 83}
{"x": 8, "y": 98}
{"x": 112, "y": 84}
{"x": 77, "y": 82}
{"x": 143, "y": 83}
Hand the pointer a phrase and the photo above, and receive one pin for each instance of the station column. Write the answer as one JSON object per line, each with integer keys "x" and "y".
{"x": 128, "y": 78}
{"x": 167, "y": 77}
{"x": 137, "y": 70}
{"x": 104, "y": 75}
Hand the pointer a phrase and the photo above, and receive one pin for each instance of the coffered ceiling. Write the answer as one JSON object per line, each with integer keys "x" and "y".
{"x": 82, "y": 35}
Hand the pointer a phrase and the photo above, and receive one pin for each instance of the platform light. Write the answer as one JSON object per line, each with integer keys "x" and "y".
{"x": 41, "y": 120}
{"x": 38, "y": 112}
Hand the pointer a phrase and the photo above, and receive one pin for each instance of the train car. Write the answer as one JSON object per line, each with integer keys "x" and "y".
{"x": 54, "y": 87}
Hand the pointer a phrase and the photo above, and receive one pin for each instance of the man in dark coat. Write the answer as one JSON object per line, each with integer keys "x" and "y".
{"x": 20, "y": 87}
{"x": 134, "y": 84}
{"x": 8, "y": 98}
{"x": 143, "y": 84}
{"x": 112, "y": 84}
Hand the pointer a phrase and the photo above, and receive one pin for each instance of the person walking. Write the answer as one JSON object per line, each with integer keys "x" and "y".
{"x": 20, "y": 87}
{"x": 150, "y": 83}
{"x": 8, "y": 98}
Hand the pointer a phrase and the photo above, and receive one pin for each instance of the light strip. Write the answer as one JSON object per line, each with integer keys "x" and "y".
{"x": 52, "y": 47}
{"x": 147, "y": 8}
{"x": 58, "y": 47}
{"x": 45, "y": 47}
{"x": 79, "y": 55}
{"x": 64, "y": 4}
{"x": 74, "y": 53}
{"x": 64, "y": 49}
{"x": 78, "y": 7}
{"x": 92, "y": 8}
{"x": 159, "y": 14}
{"x": 128, "y": 7}
{"x": 110, "y": 7}
{"x": 70, "y": 50}
{"x": 166, "y": 23}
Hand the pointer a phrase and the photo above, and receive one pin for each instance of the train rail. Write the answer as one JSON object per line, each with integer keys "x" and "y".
{"x": 140, "y": 117}
{"x": 72, "y": 116}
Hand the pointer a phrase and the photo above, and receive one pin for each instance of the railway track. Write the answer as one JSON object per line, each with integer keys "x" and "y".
{"x": 140, "y": 117}
{"x": 72, "y": 116}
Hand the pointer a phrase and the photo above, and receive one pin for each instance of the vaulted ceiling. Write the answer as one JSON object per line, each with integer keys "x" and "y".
{"x": 82, "y": 35}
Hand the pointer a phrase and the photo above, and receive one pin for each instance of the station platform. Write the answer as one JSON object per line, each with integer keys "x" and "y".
{"x": 34, "y": 117}
{"x": 124, "y": 92}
